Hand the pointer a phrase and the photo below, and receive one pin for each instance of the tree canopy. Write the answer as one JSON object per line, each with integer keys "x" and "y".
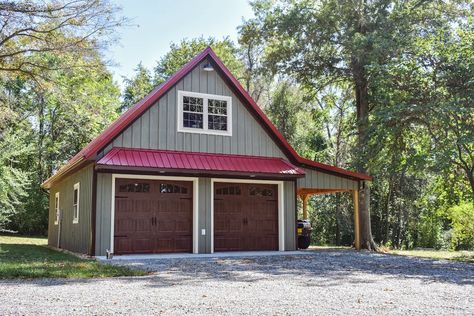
{"x": 385, "y": 87}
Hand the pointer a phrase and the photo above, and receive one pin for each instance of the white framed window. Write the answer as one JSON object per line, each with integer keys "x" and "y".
{"x": 75, "y": 203}
{"x": 204, "y": 113}
{"x": 56, "y": 208}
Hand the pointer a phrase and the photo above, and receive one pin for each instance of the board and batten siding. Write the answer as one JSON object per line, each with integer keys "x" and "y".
{"x": 104, "y": 198}
{"x": 319, "y": 180}
{"x": 290, "y": 215}
{"x": 73, "y": 237}
{"x": 103, "y": 213}
{"x": 156, "y": 128}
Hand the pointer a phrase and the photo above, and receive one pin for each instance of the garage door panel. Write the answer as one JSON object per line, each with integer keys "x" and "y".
{"x": 142, "y": 244}
{"x": 235, "y": 225}
{"x": 165, "y": 244}
{"x": 182, "y": 243}
{"x": 245, "y": 217}
{"x": 227, "y": 243}
{"x": 153, "y": 216}
{"x": 166, "y": 226}
{"x": 183, "y": 226}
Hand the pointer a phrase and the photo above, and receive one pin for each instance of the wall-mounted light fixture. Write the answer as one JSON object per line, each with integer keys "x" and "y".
{"x": 207, "y": 67}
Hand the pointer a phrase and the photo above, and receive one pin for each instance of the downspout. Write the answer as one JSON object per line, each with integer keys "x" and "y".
{"x": 59, "y": 227}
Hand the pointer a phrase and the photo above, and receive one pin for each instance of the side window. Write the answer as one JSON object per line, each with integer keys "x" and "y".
{"x": 170, "y": 188}
{"x": 139, "y": 187}
{"x": 75, "y": 203}
{"x": 229, "y": 191}
{"x": 56, "y": 208}
{"x": 258, "y": 191}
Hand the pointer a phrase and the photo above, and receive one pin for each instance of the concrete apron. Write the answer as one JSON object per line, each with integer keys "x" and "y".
{"x": 161, "y": 256}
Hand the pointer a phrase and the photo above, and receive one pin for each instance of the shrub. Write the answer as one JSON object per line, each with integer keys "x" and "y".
{"x": 462, "y": 223}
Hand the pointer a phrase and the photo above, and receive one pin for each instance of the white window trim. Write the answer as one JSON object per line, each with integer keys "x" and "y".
{"x": 56, "y": 208}
{"x": 151, "y": 177}
{"x": 75, "y": 220}
{"x": 281, "y": 209}
{"x": 205, "y": 129}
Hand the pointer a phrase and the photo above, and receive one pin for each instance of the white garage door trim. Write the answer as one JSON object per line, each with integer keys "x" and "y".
{"x": 150, "y": 177}
{"x": 281, "y": 214}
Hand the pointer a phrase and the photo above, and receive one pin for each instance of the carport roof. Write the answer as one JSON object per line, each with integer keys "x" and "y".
{"x": 120, "y": 158}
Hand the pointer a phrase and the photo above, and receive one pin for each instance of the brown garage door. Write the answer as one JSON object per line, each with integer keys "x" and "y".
{"x": 153, "y": 216}
{"x": 245, "y": 217}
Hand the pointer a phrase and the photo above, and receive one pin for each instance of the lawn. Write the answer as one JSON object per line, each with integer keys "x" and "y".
{"x": 464, "y": 256}
{"x": 28, "y": 257}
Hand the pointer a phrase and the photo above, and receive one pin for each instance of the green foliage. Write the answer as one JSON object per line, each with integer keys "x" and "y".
{"x": 182, "y": 52}
{"x": 283, "y": 109}
{"x": 14, "y": 181}
{"x": 60, "y": 27}
{"x": 51, "y": 122}
{"x": 407, "y": 66}
{"x": 136, "y": 87}
{"x": 462, "y": 223}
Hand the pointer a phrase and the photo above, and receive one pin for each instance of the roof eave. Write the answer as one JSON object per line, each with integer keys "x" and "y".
{"x": 61, "y": 172}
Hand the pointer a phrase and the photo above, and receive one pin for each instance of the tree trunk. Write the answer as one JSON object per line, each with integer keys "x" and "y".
{"x": 362, "y": 104}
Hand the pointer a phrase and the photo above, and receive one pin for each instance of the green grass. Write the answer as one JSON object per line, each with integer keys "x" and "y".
{"x": 28, "y": 257}
{"x": 464, "y": 256}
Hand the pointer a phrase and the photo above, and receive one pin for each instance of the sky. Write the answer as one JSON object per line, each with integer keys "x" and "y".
{"x": 158, "y": 23}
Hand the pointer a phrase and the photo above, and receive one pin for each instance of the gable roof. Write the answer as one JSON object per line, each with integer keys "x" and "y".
{"x": 90, "y": 151}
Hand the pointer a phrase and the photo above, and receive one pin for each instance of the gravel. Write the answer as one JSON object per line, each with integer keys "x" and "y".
{"x": 318, "y": 282}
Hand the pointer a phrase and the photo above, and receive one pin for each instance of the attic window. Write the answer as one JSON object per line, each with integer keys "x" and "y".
{"x": 204, "y": 113}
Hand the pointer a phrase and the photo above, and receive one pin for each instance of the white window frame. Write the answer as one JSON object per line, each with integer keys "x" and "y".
{"x": 205, "y": 113}
{"x": 56, "y": 208}
{"x": 77, "y": 186}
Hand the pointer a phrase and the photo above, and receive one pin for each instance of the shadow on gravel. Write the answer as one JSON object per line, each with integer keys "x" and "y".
{"x": 317, "y": 268}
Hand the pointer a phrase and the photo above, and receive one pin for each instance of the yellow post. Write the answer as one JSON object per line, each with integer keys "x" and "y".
{"x": 305, "y": 205}
{"x": 355, "y": 198}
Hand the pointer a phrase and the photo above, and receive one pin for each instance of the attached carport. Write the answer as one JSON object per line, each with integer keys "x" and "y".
{"x": 317, "y": 182}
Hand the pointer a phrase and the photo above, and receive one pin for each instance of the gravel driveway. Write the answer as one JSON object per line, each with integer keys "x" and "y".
{"x": 318, "y": 282}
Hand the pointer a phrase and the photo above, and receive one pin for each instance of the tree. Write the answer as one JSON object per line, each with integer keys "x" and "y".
{"x": 58, "y": 120}
{"x": 14, "y": 181}
{"x": 56, "y": 27}
{"x": 136, "y": 87}
{"x": 283, "y": 109}
{"x": 184, "y": 51}
{"x": 255, "y": 77}
{"x": 325, "y": 42}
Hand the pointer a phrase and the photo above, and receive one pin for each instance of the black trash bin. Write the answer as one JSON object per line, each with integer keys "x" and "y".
{"x": 304, "y": 233}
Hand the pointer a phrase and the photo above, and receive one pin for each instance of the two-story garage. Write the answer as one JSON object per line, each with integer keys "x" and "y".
{"x": 196, "y": 166}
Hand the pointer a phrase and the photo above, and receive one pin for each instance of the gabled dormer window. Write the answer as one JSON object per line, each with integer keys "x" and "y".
{"x": 204, "y": 113}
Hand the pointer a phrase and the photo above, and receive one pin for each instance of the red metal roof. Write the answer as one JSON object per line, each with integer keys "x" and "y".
{"x": 166, "y": 160}
{"x": 90, "y": 151}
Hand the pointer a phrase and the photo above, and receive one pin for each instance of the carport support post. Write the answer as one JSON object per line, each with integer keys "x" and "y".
{"x": 355, "y": 198}
{"x": 305, "y": 205}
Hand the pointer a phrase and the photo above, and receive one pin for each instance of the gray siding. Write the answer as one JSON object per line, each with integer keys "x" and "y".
{"x": 74, "y": 237}
{"x": 103, "y": 213}
{"x": 157, "y": 127}
{"x": 204, "y": 215}
{"x": 290, "y": 215}
{"x": 320, "y": 180}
